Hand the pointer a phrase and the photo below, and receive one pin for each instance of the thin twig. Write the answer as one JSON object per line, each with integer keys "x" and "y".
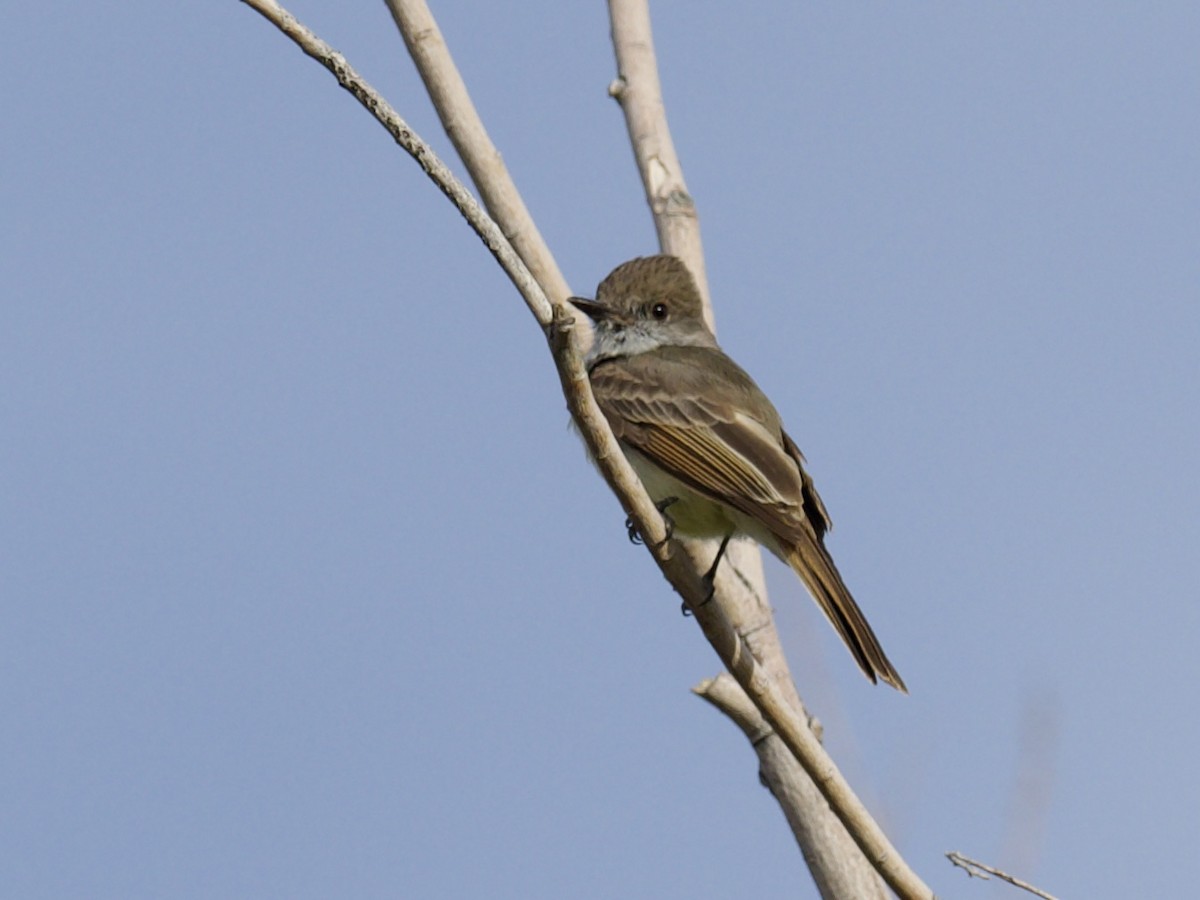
{"x": 403, "y": 134}
{"x": 981, "y": 870}
{"x": 554, "y": 315}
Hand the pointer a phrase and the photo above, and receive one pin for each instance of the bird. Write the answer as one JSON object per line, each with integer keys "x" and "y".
{"x": 708, "y": 445}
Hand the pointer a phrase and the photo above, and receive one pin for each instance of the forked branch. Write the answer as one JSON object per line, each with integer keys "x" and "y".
{"x": 674, "y": 559}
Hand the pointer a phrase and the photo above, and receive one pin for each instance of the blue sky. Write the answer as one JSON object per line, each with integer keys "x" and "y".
{"x": 308, "y": 590}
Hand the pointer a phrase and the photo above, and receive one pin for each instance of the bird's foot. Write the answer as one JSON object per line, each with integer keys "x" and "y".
{"x": 635, "y": 536}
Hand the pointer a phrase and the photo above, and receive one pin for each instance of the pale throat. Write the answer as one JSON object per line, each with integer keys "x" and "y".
{"x": 643, "y": 337}
{"x": 628, "y": 341}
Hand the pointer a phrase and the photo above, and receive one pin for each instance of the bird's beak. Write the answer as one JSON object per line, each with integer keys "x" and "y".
{"x": 590, "y": 308}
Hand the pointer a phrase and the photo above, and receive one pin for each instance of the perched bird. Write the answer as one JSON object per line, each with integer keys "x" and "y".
{"x": 707, "y": 443}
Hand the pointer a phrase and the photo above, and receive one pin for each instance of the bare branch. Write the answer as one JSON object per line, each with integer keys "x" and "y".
{"x": 803, "y": 744}
{"x": 743, "y": 602}
{"x": 638, "y": 90}
{"x": 465, "y": 129}
{"x": 980, "y": 870}
{"x": 420, "y": 151}
{"x": 837, "y": 866}
{"x": 679, "y": 567}
{"x": 554, "y": 315}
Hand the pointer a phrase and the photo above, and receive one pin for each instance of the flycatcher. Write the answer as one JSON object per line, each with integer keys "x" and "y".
{"x": 706, "y": 442}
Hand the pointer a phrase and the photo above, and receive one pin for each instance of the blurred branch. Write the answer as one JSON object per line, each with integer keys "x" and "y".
{"x": 1029, "y": 800}
{"x": 980, "y": 870}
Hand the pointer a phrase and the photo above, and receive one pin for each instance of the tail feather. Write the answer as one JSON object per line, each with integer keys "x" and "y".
{"x": 815, "y": 567}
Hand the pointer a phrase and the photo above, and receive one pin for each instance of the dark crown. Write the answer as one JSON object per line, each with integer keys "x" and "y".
{"x": 652, "y": 279}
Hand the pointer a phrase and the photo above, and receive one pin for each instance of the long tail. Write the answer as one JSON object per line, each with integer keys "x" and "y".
{"x": 815, "y": 567}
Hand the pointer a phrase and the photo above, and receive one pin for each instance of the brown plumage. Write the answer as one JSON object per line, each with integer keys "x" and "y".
{"x": 697, "y": 427}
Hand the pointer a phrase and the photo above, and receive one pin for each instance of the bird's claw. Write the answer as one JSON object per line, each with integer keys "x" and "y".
{"x": 635, "y": 536}
{"x": 686, "y": 611}
{"x": 631, "y": 530}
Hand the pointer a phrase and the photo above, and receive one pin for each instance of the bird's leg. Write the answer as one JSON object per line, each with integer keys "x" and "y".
{"x": 635, "y": 536}
{"x": 710, "y": 577}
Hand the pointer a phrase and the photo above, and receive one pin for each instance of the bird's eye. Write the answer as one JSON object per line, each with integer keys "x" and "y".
{"x": 659, "y": 310}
